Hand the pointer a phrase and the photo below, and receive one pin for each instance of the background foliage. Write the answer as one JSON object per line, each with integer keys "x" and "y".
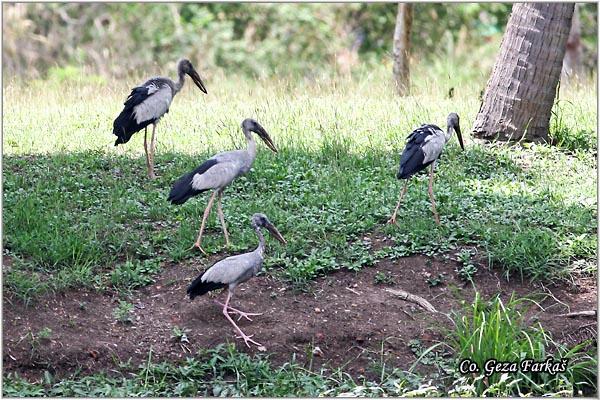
{"x": 252, "y": 39}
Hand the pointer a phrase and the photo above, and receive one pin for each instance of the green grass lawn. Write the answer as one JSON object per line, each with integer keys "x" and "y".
{"x": 74, "y": 205}
{"x": 76, "y": 208}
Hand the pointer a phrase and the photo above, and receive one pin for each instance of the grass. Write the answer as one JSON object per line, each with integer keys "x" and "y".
{"x": 484, "y": 330}
{"x": 492, "y": 330}
{"x": 75, "y": 205}
{"x": 132, "y": 275}
{"x": 122, "y": 312}
{"x": 80, "y": 212}
{"x": 222, "y": 371}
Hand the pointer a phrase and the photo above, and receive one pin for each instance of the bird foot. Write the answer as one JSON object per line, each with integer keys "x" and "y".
{"x": 392, "y": 221}
{"x": 248, "y": 339}
{"x": 244, "y": 314}
{"x": 197, "y": 245}
{"x": 241, "y": 314}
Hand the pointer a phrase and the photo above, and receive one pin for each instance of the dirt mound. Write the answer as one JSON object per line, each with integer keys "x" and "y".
{"x": 349, "y": 316}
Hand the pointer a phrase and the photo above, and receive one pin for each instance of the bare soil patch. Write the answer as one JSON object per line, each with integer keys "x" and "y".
{"x": 346, "y": 314}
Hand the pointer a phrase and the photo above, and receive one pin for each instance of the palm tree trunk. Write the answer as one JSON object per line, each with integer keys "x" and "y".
{"x": 402, "y": 48}
{"x": 520, "y": 94}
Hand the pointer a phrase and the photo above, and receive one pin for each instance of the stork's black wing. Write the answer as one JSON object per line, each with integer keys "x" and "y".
{"x": 411, "y": 160}
{"x": 182, "y": 190}
{"x": 125, "y": 125}
{"x": 138, "y": 94}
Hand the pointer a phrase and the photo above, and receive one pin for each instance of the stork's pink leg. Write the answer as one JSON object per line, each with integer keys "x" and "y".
{"x": 222, "y": 219}
{"x": 237, "y": 328}
{"x": 148, "y": 165}
{"x": 392, "y": 219}
{"x": 435, "y": 214}
{"x": 151, "y": 174}
{"x": 206, "y": 214}
{"x": 241, "y": 314}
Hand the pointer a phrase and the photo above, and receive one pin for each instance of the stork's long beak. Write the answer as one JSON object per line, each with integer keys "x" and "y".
{"x": 275, "y": 233}
{"x": 196, "y": 78}
{"x": 459, "y": 135}
{"x": 266, "y": 138}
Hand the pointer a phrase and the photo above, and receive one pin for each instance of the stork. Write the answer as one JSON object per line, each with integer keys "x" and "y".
{"x": 147, "y": 103}
{"x": 234, "y": 270}
{"x": 217, "y": 173}
{"x": 424, "y": 147}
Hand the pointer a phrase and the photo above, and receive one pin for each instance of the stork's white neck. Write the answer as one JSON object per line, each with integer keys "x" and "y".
{"x": 448, "y": 133}
{"x": 261, "y": 242}
{"x": 251, "y": 146}
{"x": 179, "y": 83}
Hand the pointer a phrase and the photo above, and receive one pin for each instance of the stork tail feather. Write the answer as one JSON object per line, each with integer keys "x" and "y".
{"x": 199, "y": 288}
{"x": 182, "y": 190}
{"x": 125, "y": 126}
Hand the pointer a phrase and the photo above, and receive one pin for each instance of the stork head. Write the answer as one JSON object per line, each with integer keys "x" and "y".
{"x": 453, "y": 125}
{"x": 250, "y": 125}
{"x": 260, "y": 220}
{"x": 185, "y": 67}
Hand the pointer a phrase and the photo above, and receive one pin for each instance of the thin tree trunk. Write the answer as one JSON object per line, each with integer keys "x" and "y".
{"x": 520, "y": 94}
{"x": 572, "y": 63}
{"x": 402, "y": 48}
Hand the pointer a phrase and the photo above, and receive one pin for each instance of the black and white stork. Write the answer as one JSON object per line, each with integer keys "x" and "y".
{"x": 424, "y": 147}
{"x": 217, "y": 173}
{"x": 232, "y": 271}
{"x": 147, "y": 103}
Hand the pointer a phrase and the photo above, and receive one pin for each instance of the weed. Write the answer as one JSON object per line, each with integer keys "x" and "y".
{"x": 565, "y": 135}
{"x": 44, "y": 333}
{"x": 134, "y": 274}
{"x": 210, "y": 373}
{"x": 122, "y": 312}
{"x": 496, "y": 330}
{"x": 179, "y": 335}
{"x": 382, "y": 278}
{"x": 468, "y": 268}
{"x": 436, "y": 281}
{"x": 432, "y": 356}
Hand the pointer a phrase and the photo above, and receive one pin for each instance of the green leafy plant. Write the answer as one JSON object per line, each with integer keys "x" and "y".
{"x": 209, "y": 374}
{"x": 383, "y": 278}
{"x": 179, "y": 335}
{"x": 495, "y": 330}
{"x": 436, "y": 281}
{"x": 44, "y": 333}
{"x": 134, "y": 273}
{"x": 122, "y": 312}
{"x": 468, "y": 268}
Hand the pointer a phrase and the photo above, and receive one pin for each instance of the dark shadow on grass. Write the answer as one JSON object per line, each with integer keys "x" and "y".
{"x": 65, "y": 212}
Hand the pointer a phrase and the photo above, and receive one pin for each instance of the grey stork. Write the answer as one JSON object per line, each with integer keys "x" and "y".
{"x": 423, "y": 148}
{"x": 217, "y": 173}
{"x": 234, "y": 270}
{"x": 147, "y": 103}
